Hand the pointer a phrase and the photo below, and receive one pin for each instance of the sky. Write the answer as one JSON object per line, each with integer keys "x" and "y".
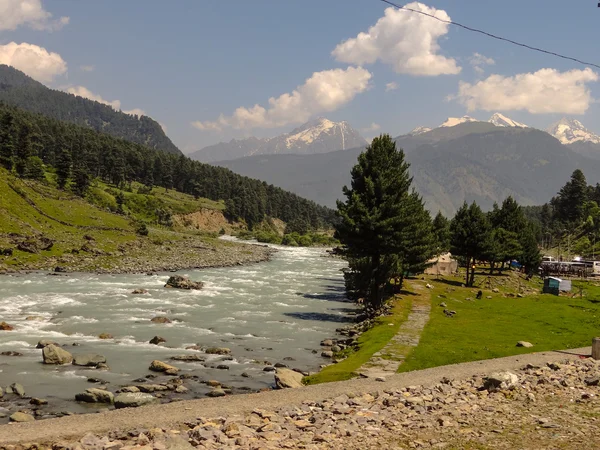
{"x": 210, "y": 71}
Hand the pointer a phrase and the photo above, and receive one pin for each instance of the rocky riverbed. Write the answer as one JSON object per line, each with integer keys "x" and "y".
{"x": 552, "y": 405}
{"x": 142, "y": 256}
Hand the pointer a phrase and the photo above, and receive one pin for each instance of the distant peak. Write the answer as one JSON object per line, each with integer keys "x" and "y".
{"x": 420, "y": 130}
{"x": 569, "y": 130}
{"x": 500, "y": 120}
{"x": 453, "y": 121}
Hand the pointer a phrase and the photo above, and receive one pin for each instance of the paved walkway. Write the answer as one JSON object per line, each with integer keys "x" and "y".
{"x": 172, "y": 414}
{"x": 386, "y": 361}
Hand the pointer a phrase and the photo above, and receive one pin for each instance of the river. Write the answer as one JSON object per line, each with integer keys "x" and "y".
{"x": 277, "y": 311}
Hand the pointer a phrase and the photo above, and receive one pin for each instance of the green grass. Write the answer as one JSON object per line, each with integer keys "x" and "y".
{"x": 490, "y": 328}
{"x": 369, "y": 343}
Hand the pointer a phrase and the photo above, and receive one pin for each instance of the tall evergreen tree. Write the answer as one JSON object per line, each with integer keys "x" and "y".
{"x": 468, "y": 237}
{"x": 570, "y": 203}
{"x": 63, "y": 167}
{"x": 7, "y": 144}
{"x": 378, "y": 218}
{"x": 441, "y": 231}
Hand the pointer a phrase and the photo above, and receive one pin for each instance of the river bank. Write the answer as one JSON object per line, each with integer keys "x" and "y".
{"x": 170, "y": 252}
{"x": 549, "y": 401}
{"x": 265, "y": 315}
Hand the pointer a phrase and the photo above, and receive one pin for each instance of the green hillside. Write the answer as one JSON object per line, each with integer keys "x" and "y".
{"x": 18, "y": 89}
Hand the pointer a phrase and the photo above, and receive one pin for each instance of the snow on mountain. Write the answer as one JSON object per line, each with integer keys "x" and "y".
{"x": 502, "y": 121}
{"x": 318, "y": 136}
{"x": 420, "y": 130}
{"x": 570, "y": 131}
{"x": 453, "y": 121}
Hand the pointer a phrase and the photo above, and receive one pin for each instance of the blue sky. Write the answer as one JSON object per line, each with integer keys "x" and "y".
{"x": 189, "y": 61}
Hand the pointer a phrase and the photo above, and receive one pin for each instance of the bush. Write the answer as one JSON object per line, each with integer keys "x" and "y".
{"x": 144, "y": 190}
{"x": 305, "y": 241}
{"x": 269, "y": 238}
{"x": 142, "y": 229}
{"x": 289, "y": 241}
{"x": 222, "y": 231}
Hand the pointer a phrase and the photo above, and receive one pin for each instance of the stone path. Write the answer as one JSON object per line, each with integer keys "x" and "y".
{"x": 386, "y": 361}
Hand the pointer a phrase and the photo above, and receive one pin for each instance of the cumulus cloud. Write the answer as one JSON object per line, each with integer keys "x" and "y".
{"x": 37, "y": 62}
{"x": 15, "y": 13}
{"x": 323, "y": 92}
{"x": 391, "y": 86}
{"x": 542, "y": 92}
{"x": 406, "y": 41}
{"x": 87, "y": 68}
{"x": 479, "y": 61}
{"x": 86, "y": 93}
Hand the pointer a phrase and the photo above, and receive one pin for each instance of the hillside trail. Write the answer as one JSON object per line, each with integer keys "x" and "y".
{"x": 387, "y": 361}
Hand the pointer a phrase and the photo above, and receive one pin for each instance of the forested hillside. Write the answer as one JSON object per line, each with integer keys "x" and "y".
{"x": 30, "y": 144}
{"x": 18, "y": 89}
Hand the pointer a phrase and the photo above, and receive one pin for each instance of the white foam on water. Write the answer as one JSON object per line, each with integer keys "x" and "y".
{"x": 69, "y": 374}
{"x": 253, "y": 313}
{"x": 17, "y": 344}
{"x": 79, "y": 319}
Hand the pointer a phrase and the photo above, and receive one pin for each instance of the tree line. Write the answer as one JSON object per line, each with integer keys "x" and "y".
{"x": 31, "y": 144}
{"x": 386, "y": 233}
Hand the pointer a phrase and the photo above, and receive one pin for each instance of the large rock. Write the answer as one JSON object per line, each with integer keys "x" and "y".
{"x": 44, "y": 342}
{"x": 524, "y": 344}
{"x": 188, "y": 358}
{"x": 501, "y": 380}
{"x": 157, "y": 340}
{"x": 286, "y": 378}
{"x": 105, "y": 336}
{"x": 93, "y": 395}
{"x": 218, "y": 351}
{"x": 160, "y": 319}
{"x": 21, "y": 417}
{"x": 134, "y": 399}
{"x": 159, "y": 366}
{"x": 17, "y": 389}
{"x": 56, "y": 355}
{"x": 6, "y": 327}
{"x": 180, "y": 282}
{"x": 89, "y": 360}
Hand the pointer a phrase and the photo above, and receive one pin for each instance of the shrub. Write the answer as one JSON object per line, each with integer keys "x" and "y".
{"x": 305, "y": 241}
{"x": 289, "y": 241}
{"x": 142, "y": 229}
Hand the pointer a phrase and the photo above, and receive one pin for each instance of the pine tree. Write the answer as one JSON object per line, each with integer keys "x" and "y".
{"x": 379, "y": 219}
{"x": 441, "y": 231}
{"x": 570, "y": 203}
{"x": 63, "y": 168}
{"x": 530, "y": 256}
{"x": 7, "y": 144}
{"x": 468, "y": 237}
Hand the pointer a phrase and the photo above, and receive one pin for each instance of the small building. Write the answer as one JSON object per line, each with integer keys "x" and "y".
{"x": 554, "y": 285}
{"x": 442, "y": 265}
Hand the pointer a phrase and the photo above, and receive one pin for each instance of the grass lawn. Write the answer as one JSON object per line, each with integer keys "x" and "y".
{"x": 490, "y": 328}
{"x": 369, "y": 342}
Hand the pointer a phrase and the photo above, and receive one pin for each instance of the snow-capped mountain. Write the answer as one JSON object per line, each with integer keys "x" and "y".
{"x": 453, "y": 121}
{"x": 502, "y": 121}
{"x": 569, "y": 131}
{"x": 420, "y": 130}
{"x": 318, "y": 136}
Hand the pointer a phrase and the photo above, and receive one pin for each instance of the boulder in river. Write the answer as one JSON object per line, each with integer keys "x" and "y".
{"x": 21, "y": 417}
{"x": 134, "y": 399}
{"x": 6, "y": 327}
{"x": 44, "y": 342}
{"x": 89, "y": 360}
{"x": 139, "y": 291}
{"x": 286, "y": 378}
{"x": 16, "y": 389}
{"x": 160, "y": 319}
{"x": 157, "y": 340}
{"x": 35, "y": 318}
{"x": 180, "y": 282}
{"x": 218, "y": 392}
{"x": 217, "y": 351}
{"x": 56, "y": 355}
{"x": 159, "y": 366}
{"x": 94, "y": 395}
{"x": 188, "y": 358}
{"x": 11, "y": 353}
{"x": 105, "y": 336}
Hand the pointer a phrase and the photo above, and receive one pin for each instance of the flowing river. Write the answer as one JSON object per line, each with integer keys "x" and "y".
{"x": 276, "y": 311}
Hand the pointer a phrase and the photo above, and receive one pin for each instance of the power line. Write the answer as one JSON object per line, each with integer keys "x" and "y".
{"x": 500, "y": 38}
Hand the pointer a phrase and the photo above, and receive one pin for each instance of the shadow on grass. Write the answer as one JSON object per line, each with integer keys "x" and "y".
{"x": 322, "y": 317}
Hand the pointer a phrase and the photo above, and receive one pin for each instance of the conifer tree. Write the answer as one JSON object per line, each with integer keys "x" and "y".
{"x": 7, "y": 141}
{"x": 441, "y": 231}
{"x": 469, "y": 233}
{"x": 63, "y": 167}
{"x": 384, "y": 227}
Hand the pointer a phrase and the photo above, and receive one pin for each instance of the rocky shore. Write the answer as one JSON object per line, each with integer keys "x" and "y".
{"x": 143, "y": 256}
{"x": 546, "y": 405}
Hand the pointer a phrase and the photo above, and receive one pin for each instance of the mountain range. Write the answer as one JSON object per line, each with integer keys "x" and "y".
{"x": 318, "y": 136}
{"x": 464, "y": 160}
{"x": 18, "y": 89}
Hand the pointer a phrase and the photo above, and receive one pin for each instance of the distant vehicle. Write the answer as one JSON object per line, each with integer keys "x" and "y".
{"x": 548, "y": 259}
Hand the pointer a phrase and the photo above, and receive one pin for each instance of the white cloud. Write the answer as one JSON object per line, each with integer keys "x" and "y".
{"x": 14, "y": 13}
{"x": 542, "y": 92}
{"x": 135, "y": 111}
{"x": 371, "y": 128}
{"x": 407, "y": 41}
{"x": 87, "y": 68}
{"x": 323, "y": 92}
{"x": 86, "y": 93}
{"x": 391, "y": 86}
{"x": 478, "y": 61}
{"x": 35, "y": 61}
